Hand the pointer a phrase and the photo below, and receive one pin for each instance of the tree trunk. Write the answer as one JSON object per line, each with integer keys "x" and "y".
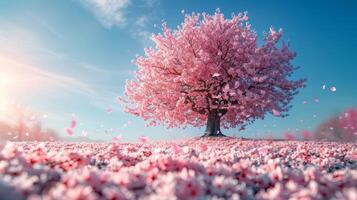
{"x": 213, "y": 127}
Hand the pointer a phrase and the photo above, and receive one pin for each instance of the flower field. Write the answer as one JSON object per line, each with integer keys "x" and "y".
{"x": 212, "y": 168}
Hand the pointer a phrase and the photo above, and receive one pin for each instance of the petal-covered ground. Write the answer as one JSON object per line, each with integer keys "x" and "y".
{"x": 217, "y": 168}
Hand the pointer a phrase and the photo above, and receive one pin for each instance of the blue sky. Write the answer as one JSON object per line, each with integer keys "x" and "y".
{"x": 64, "y": 57}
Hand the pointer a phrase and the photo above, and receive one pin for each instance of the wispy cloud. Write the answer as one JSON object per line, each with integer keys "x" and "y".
{"x": 97, "y": 70}
{"x": 46, "y": 25}
{"x": 109, "y": 12}
{"x": 142, "y": 21}
{"x": 114, "y": 13}
{"x": 24, "y": 77}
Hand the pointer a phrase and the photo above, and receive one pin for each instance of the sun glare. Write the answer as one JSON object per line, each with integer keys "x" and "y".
{"x": 5, "y": 82}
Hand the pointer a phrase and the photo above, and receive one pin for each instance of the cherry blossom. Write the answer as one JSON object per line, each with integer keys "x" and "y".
{"x": 213, "y": 73}
{"x": 229, "y": 168}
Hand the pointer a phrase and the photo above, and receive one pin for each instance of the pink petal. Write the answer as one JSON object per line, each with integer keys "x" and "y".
{"x": 73, "y": 122}
{"x": 109, "y": 110}
{"x": 333, "y": 89}
{"x": 276, "y": 112}
{"x": 84, "y": 133}
{"x": 69, "y": 131}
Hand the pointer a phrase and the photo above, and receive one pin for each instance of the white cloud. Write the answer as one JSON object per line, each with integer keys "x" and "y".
{"x": 95, "y": 69}
{"x": 109, "y": 12}
{"x": 142, "y": 21}
{"x": 43, "y": 22}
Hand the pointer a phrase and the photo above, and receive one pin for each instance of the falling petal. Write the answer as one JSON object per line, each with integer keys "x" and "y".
{"x": 316, "y": 100}
{"x": 333, "y": 89}
{"x": 276, "y": 112}
{"x": 84, "y": 133}
{"x": 109, "y": 110}
{"x": 73, "y": 122}
{"x": 324, "y": 87}
{"x": 69, "y": 131}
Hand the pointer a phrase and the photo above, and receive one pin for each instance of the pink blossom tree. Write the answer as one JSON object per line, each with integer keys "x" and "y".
{"x": 210, "y": 70}
{"x": 342, "y": 127}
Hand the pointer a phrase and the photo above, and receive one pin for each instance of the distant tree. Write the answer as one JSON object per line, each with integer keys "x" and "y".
{"x": 342, "y": 127}
{"x": 24, "y": 124}
{"x": 211, "y": 71}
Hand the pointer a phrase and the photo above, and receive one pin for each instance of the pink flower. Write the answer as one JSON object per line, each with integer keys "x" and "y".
{"x": 176, "y": 148}
{"x": 80, "y": 193}
{"x": 203, "y": 147}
